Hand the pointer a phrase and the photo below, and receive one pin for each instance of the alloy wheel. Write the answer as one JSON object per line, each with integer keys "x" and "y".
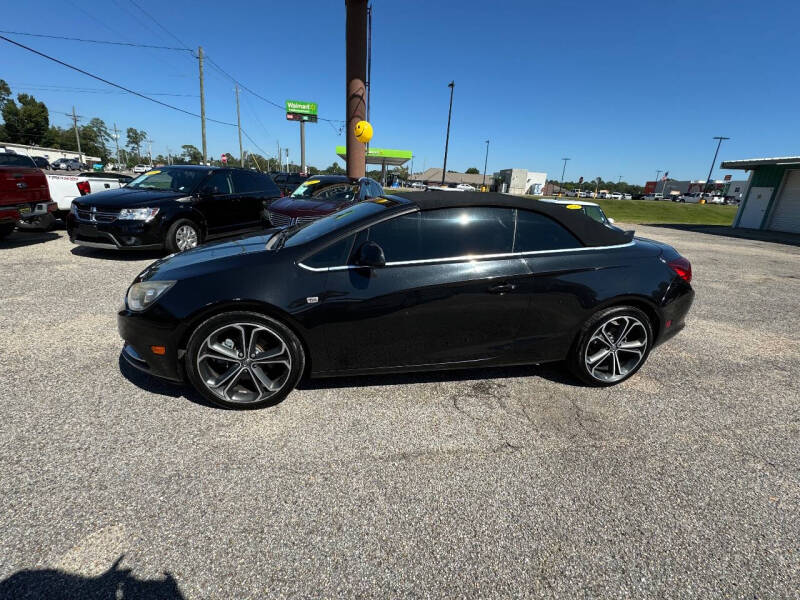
{"x": 186, "y": 237}
{"x": 243, "y": 363}
{"x": 616, "y": 348}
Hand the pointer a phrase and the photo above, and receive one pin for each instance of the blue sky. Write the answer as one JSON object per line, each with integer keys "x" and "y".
{"x": 620, "y": 87}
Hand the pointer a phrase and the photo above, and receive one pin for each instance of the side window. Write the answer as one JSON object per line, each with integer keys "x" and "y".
{"x": 538, "y": 232}
{"x": 333, "y": 255}
{"x": 219, "y": 182}
{"x": 241, "y": 182}
{"x": 446, "y": 233}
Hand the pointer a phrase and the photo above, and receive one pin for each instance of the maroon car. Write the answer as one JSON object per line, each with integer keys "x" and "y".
{"x": 321, "y": 195}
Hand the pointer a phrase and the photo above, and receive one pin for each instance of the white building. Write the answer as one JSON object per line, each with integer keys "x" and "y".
{"x": 50, "y": 154}
{"x": 521, "y": 181}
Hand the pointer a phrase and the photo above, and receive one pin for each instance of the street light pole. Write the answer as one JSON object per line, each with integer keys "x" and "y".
{"x": 563, "y": 170}
{"x": 485, "y": 161}
{"x": 713, "y": 162}
{"x": 452, "y": 86}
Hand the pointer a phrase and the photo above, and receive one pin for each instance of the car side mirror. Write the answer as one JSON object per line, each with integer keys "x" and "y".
{"x": 610, "y": 220}
{"x": 370, "y": 255}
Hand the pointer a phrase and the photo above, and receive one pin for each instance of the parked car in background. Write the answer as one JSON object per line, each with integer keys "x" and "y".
{"x": 67, "y": 164}
{"x": 142, "y": 168}
{"x": 627, "y": 197}
{"x": 417, "y": 282}
{"x": 615, "y": 196}
{"x": 654, "y": 196}
{"x": 321, "y": 195}
{"x": 23, "y": 186}
{"x": 690, "y": 197}
{"x": 287, "y": 182}
{"x": 177, "y": 208}
{"x": 41, "y": 162}
{"x": 465, "y": 187}
{"x": 418, "y": 185}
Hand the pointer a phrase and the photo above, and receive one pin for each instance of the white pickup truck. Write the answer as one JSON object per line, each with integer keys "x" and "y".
{"x": 65, "y": 188}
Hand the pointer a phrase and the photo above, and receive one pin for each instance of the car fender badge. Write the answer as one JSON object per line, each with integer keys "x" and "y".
{"x": 312, "y": 299}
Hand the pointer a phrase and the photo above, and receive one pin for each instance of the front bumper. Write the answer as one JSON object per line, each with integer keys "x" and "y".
{"x": 141, "y": 333}
{"x": 116, "y": 235}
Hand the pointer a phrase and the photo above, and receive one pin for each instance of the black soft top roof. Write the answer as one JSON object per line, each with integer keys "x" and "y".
{"x": 586, "y": 229}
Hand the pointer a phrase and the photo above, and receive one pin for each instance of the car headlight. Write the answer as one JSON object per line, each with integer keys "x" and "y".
{"x": 143, "y": 294}
{"x": 73, "y": 209}
{"x": 137, "y": 214}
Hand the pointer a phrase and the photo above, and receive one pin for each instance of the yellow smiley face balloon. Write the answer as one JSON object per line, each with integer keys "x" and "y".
{"x": 363, "y": 131}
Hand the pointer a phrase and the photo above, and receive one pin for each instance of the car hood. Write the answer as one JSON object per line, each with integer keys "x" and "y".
{"x": 129, "y": 198}
{"x": 212, "y": 257}
{"x": 295, "y": 207}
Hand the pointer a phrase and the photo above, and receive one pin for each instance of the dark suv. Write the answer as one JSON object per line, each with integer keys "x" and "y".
{"x": 321, "y": 195}
{"x": 287, "y": 182}
{"x": 175, "y": 207}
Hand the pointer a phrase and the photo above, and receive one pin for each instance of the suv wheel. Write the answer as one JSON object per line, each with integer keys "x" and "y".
{"x": 612, "y": 346}
{"x": 244, "y": 360}
{"x": 183, "y": 234}
{"x": 6, "y": 229}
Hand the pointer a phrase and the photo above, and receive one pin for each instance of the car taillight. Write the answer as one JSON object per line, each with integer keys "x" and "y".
{"x": 84, "y": 187}
{"x": 682, "y": 267}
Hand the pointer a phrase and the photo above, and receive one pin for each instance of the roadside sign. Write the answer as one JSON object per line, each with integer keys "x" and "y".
{"x": 301, "y": 111}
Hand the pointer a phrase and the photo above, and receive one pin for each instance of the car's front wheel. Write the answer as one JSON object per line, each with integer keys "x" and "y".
{"x": 611, "y": 346}
{"x": 6, "y": 229}
{"x": 244, "y": 360}
{"x": 182, "y": 235}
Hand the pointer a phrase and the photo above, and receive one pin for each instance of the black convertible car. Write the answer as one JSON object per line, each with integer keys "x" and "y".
{"x": 420, "y": 281}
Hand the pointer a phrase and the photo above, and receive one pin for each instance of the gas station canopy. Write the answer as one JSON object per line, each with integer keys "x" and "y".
{"x": 381, "y": 156}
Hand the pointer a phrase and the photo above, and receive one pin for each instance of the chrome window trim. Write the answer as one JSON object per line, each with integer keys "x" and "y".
{"x": 470, "y": 257}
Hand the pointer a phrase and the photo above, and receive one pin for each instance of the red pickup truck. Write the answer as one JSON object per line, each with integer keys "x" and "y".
{"x": 22, "y": 187}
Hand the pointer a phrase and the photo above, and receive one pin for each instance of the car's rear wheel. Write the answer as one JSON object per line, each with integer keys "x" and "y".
{"x": 183, "y": 234}
{"x": 244, "y": 360}
{"x": 612, "y": 346}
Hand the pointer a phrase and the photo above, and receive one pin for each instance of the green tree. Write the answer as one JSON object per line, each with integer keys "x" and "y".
{"x": 5, "y": 93}
{"x": 26, "y": 123}
{"x": 102, "y": 136}
{"x": 135, "y": 138}
{"x": 191, "y": 154}
{"x": 472, "y": 171}
{"x": 334, "y": 169}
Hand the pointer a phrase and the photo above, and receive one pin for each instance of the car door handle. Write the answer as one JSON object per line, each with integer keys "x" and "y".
{"x": 502, "y": 288}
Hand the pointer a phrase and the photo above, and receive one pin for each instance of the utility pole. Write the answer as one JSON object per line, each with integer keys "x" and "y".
{"x": 713, "y": 162}
{"x": 563, "y": 170}
{"x": 77, "y": 135}
{"x": 356, "y": 77}
{"x": 485, "y": 161}
{"x": 150, "y": 152}
{"x": 279, "y": 159}
{"x": 202, "y": 103}
{"x": 302, "y": 147}
{"x": 452, "y": 86}
{"x": 239, "y": 125}
{"x": 288, "y": 169}
{"x": 116, "y": 142}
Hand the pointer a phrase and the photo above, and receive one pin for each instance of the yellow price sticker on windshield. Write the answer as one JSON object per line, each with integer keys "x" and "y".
{"x": 152, "y": 172}
{"x": 574, "y": 206}
{"x": 312, "y": 182}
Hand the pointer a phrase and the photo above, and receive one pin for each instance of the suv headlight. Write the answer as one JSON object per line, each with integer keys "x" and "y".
{"x": 73, "y": 209}
{"x": 143, "y": 294}
{"x": 137, "y": 214}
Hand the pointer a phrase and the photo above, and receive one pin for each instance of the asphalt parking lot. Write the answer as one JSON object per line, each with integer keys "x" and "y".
{"x": 683, "y": 482}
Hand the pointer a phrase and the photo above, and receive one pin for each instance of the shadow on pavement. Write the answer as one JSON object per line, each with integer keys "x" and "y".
{"x": 776, "y": 237}
{"x": 163, "y": 387}
{"x": 127, "y": 255}
{"x": 18, "y": 239}
{"x": 116, "y": 583}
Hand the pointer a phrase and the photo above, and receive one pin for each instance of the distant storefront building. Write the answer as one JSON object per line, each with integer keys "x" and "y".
{"x": 50, "y": 154}
{"x": 771, "y": 198}
{"x": 520, "y": 181}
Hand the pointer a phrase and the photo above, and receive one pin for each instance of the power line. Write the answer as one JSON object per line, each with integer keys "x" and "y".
{"x": 149, "y": 16}
{"x": 111, "y": 83}
{"x": 74, "y": 39}
{"x": 60, "y": 88}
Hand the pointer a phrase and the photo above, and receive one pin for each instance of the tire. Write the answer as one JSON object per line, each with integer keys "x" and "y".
{"x": 6, "y": 229}
{"x": 604, "y": 331}
{"x": 226, "y": 376}
{"x": 179, "y": 236}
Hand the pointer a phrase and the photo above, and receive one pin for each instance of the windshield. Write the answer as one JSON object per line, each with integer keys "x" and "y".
{"x": 337, "y": 220}
{"x": 15, "y": 160}
{"x": 337, "y": 191}
{"x": 169, "y": 180}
